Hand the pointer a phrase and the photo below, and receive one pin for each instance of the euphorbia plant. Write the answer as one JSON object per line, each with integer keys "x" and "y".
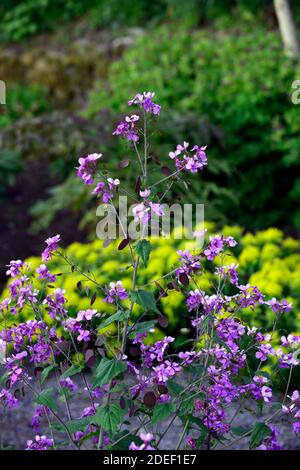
{"x": 136, "y": 389}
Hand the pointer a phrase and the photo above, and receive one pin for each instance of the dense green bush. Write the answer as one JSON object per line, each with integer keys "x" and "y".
{"x": 235, "y": 85}
{"x": 22, "y": 18}
{"x": 23, "y": 102}
{"x": 266, "y": 259}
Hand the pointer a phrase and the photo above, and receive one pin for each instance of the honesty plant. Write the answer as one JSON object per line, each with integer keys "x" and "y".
{"x": 135, "y": 390}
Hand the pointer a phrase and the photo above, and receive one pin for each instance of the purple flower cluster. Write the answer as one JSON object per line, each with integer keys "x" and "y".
{"x": 192, "y": 160}
{"x": 15, "y": 268}
{"x": 44, "y": 273}
{"x": 190, "y": 264}
{"x": 56, "y": 303}
{"x": 229, "y": 272}
{"x": 143, "y": 212}
{"x": 217, "y": 244}
{"x": 7, "y": 399}
{"x": 39, "y": 443}
{"x": 271, "y": 442}
{"x": 52, "y": 247}
{"x": 127, "y": 130}
{"x": 106, "y": 190}
{"x": 227, "y": 360}
{"x": 145, "y": 101}
{"x": 87, "y": 167}
{"x": 146, "y": 438}
{"x": 115, "y": 293}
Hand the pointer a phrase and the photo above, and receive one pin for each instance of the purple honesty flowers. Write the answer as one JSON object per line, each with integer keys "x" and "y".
{"x": 52, "y": 247}
{"x": 115, "y": 293}
{"x": 39, "y": 443}
{"x": 145, "y": 101}
{"x": 192, "y": 160}
{"x": 87, "y": 167}
{"x": 133, "y": 367}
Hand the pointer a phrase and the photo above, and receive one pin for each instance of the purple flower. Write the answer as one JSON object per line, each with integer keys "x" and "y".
{"x": 191, "y": 161}
{"x": 229, "y": 272}
{"x": 84, "y": 335}
{"x": 69, "y": 384}
{"x": 266, "y": 393}
{"x": 191, "y": 443}
{"x": 39, "y": 412}
{"x": 264, "y": 351}
{"x": 44, "y": 273}
{"x": 141, "y": 213}
{"x": 7, "y": 399}
{"x": 271, "y": 442}
{"x": 157, "y": 208}
{"x": 126, "y": 128}
{"x": 279, "y": 307}
{"x": 115, "y": 292}
{"x": 56, "y": 303}
{"x": 15, "y": 268}
{"x": 52, "y": 246}
{"x": 296, "y": 427}
{"x": 85, "y": 315}
{"x": 190, "y": 263}
{"x": 39, "y": 443}
{"x": 146, "y": 438}
{"x": 87, "y": 166}
{"x": 106, "y": 190}
{"x": 144, "y": 100}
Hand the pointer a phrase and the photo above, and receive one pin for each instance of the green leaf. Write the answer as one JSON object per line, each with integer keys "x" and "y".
{"x": 141, "y": 327}
{"x": 109, "y": 416}
{"x": 80, "y": 424}
{"x": 119, "y": 316}
{"x": 144, "y": 298}
{"x": 143, "y": 249}
{"x": 46, "y": 398}
{"x": 259, "y": 433}
{"x": 162, "y": 411}
{"x": 46, "y": 372}
{"x": 239, "y": 430}
{"x": 174, "y": 388}
{"x": 124, "y": 443}
{"x": 71, "y": 371}
{"x": 107, "y": 370}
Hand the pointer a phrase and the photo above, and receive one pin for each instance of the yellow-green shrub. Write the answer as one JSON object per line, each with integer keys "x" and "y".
{"x": 265, "y": 259}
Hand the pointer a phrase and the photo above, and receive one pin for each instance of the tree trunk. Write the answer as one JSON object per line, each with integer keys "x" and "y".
{"x": 287, "y": 28}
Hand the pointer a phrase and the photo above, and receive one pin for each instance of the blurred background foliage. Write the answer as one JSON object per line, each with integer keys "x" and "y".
{"x": 219, "y": 71}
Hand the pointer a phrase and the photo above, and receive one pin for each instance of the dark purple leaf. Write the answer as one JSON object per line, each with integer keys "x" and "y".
{"x": 122, "y": 403}
{"x": 136, "y": 394}
{"x": 162, "y": 321}
{"x": 184, "y": 279}
{"x": 163, "y": 390}
{"x": 79, "y": 286}
{"x": 138, "y": 185}
{"x": 131, "y": 410}
{"x": 93, "y": 299}
{"x": 123, "y": 164}
{"x": 123, "y": 244}
{"x": 166, "y": 170}
{"x": 38, "y": 371}
{"x": 133, "y": 351}
{"x": 149, "y": 399}
{"x": 89, "y": 358}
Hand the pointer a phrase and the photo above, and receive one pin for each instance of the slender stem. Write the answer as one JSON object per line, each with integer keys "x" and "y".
{"x": 182, "y": 435}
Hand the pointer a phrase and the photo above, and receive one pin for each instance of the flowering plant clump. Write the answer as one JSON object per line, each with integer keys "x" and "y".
{"x": 133, "y": 391}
